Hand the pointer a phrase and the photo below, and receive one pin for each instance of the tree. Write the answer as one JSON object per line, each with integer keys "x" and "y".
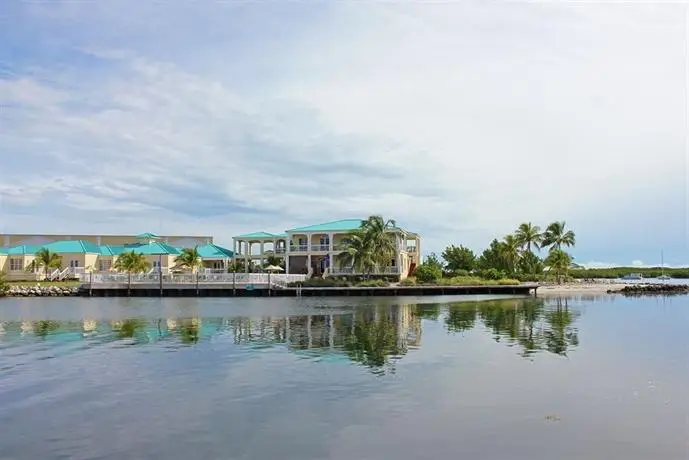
{"x": 275, "y": 260}
{"x": 509, "y": 252}
{"x": 357, "y": 252}
{"x": 530, "y": 264}
{"x": 428, "y": 272}
{"x": 4, "y": 287}
{"x": 459, "y": 258}
{"x": 382, "y": 242}
{"x": 558, "y": 261}
{"x": 492, "y": 257}
{"x": 556, "y": 236}
{"x": 528, "y": 235}
{"x": 370, "y": 247}
{"x": 131, "y": 262}
{"x": 189, "y": 259}
{"x": 46, "y": 259}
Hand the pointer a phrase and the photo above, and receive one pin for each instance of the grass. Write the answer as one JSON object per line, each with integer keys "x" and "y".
{"x": 62, "y": 284}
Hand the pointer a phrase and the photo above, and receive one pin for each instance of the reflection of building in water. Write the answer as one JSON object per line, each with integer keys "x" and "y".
{"x": 26, "y": 327}
{"x": 171, "y": 324}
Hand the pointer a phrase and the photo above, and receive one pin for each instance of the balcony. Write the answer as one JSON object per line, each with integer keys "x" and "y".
{"x": 299, "y": 248}
{"x": 279, "y": 250}
{"x": 411, "y": 248}
{"x": 320, "y": 247}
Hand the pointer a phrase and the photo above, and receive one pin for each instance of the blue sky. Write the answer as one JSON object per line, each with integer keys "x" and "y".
{"x": 458, "y": 120}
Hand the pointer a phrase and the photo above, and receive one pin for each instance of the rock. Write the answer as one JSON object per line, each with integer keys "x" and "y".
{"x": 42, "y": 291}
{"x": 652, "y": 289}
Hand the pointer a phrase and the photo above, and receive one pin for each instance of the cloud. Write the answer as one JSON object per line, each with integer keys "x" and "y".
{"x": 459, "y": 120}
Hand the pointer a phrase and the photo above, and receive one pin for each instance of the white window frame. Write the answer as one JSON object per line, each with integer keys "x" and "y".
{"x": 16, "y": 264}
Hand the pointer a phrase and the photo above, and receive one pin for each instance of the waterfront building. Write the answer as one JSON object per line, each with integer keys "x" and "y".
{"x": 313, "y": 249}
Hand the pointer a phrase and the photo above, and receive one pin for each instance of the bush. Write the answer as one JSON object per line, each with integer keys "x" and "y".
{"x": 491, "y": 274}
{"x": 508, "y": 282}
{"x": 452, "y": 274}
{"x": 4, "y": 287}
{"x": 411, "y": 281}
{"x": 427, "y": 273}
{"x": 373, "y": 283}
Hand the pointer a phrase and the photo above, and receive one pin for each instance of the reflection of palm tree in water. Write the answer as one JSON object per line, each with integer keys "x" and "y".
{"x": 525, "y": 322}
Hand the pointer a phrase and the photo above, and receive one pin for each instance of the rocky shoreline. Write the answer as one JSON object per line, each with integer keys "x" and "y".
{"x": 652, "y": 289}
{"x": 41, "y": 291}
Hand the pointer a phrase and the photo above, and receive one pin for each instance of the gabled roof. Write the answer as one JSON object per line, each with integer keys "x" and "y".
{"x": 343, "y": 225}
{"x": 212, "y": 251}
{"x": 257, "y": 235}
{"x": 147, "y": 236}
{"x": 3, "y": 251}
{"x": 72, "y": 247}
{"x": 23, "y": 249}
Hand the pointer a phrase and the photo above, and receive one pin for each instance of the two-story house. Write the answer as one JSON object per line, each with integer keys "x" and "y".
{"x": 313, "y": 249}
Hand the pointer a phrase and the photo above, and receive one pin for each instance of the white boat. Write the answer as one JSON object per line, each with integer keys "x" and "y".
{"x": 633, "y": 276}
{"x": 663, "y": 276}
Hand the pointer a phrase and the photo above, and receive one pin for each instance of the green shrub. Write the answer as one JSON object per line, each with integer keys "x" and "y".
{"x": 491, "y": 274}
{"x": 428, "y": 273}
{"x": 4, "y": 287}
{"x": 411, "y": 281}
{"x": 373, "y": 283}
{"x": 508, "y": 282}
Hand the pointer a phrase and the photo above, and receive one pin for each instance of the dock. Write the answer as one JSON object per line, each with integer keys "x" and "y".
{"x": 270, "y": 290}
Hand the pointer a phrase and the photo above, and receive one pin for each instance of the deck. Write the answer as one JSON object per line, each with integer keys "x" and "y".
{"x": 269, "y": 290}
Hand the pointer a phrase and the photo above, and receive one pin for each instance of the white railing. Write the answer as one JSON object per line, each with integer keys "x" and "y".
{"x": 320, "y": 247}
{"x": 351, "y": 271}
{"x": 299, "y": 248}
{"x": 411, "y": 248}
{"x": 191, "y": 278}
{"x": 279, "y": 250}
{"x": 54, "y": 275}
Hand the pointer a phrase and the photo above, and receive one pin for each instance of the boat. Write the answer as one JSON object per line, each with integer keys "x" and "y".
{"x": 663, "y": 276}
{"x": 633, "y": 276}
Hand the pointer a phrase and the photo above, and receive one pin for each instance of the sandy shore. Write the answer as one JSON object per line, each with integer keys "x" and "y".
{"x": 578, "y": 289}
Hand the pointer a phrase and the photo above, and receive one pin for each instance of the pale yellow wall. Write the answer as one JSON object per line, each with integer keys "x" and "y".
{"x": 22, "y": 274}
{"x": 3, "y": 262}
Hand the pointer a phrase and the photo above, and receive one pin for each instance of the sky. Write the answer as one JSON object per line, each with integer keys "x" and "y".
{"x": 460, "y": 120}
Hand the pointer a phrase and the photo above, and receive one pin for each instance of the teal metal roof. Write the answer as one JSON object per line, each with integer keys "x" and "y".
{"x": 23, "y": 249}
{"x": 256, "y": 235}
{"x": 140, "y": 248}
{"x": 212, "y": 251}
{"x": 147, "y": 236}
{"x": 343, "y": 225}
{"x": 3, "y": 250}
{"x": 72, "y": 247}
{"x": 281, "y": 235}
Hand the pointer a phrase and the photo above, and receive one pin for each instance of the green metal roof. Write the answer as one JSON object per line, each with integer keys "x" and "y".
{"x": 343, "y": 225}
{"x": 212, "y": 251}
{"x": 23, "y": 249}
{"x": 147, "y": 249}
{"x": 72, "y": 247}
{"x": 147, "y": 236}
{"x": 256, "y": 235}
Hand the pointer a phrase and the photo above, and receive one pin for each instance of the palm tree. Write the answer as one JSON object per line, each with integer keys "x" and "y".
{"x": 189, "y": 259}
{"x": 558, "y": 261}
{"x": 509, "y": 251}
{"x": 382, "y": 242}
{"x": 557, "y": 236}
{"x": 46, "y": 259}
{"x": 131, "y": 262}
{"x": 528, "y": 235}
{"x": 357, "y": 252}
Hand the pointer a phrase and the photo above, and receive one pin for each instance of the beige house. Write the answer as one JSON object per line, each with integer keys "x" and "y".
{"x": 313, "y": 249}
{"x": 98, "y": 253}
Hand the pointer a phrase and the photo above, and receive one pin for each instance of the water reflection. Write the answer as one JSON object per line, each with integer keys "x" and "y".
{"x": 375, "y": 336}
{"x": 532, "y": 324}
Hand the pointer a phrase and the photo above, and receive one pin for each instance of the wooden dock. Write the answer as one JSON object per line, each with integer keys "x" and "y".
{"x": 248, "y": 290}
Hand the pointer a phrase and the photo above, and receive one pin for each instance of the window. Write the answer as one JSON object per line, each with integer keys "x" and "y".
{"x": 325, "y": 240}
{"x": 217, "y": 265}
{"x": 393, "y": 263}
{"x": 16, "y": 265}
{"x": 104, "y": 265}
{"x": 74, "y": 264}
{"x": 156, "y": 264}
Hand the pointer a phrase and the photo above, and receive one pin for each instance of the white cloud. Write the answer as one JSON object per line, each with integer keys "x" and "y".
{"x": 460, "y": 120}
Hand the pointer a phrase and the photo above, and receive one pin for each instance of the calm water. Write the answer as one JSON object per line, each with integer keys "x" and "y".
{"x": 587, "y": 378}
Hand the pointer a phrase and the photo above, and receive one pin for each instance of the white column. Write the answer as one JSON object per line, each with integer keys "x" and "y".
{"x": 331, "y": 253}
{"x": 287, "y": 241}
{"x": 262, "y": 252}
{"x": 247, "y": 249}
